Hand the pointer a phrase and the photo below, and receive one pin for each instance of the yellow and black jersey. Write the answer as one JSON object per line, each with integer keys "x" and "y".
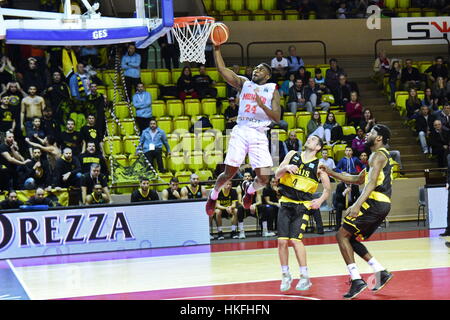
{"x": 97, "y": 200}
{"x": 383, "y": 189}
{"x": 194, "y": 193}
{"x": 301, "y": 186}
{"x": 227, "y": 199}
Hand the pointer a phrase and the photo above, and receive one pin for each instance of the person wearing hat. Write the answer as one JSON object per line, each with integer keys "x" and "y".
{"x": 231, "y": 113}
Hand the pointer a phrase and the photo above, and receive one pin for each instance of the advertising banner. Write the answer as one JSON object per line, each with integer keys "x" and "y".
{"x": 417, "y": 28}
{"x": 437, "y": 207}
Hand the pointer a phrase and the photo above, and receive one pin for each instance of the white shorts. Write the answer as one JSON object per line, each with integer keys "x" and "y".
{"x": 245, "y": 140}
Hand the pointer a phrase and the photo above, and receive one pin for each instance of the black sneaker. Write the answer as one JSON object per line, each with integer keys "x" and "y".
{"x": 234, "y": 235}
{"x": 220, "y": 236}
{"x": 447, "y": 244}
{"x": 445, "y": 234}
{"x": 358, "y": 286}
{"x": 382, "y": 278}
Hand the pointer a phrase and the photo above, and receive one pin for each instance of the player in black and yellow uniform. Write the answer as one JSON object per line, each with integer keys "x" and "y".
{"x": 226, "y": 208}
{"x": 194, "y": 190}
{"x": 97, "y": 196}
{"x": 144, "y": 193}
{"x": 299, "y": 178}
{"x": 368, "y": 212}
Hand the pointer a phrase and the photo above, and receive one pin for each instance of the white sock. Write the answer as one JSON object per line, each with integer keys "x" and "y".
{"x": 264, "y": 226}
{"x": 353, "y": 270}
{"x": 241, "y": 226}
{"x": 219, "y": 229}
{"x": 214, "y": 194}
{"x": 376, "y": 266}
{"x": 250, "y": 189}
{"x": 285, "y": 269}
{"x": 304, "y": 272}
{"x": 233, "y": 227}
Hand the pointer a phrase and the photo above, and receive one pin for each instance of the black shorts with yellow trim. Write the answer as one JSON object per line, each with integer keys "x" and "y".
{"x": 225, "y": 214}
{"x": 292, "y": 220}
{"x": 370, "y": 217}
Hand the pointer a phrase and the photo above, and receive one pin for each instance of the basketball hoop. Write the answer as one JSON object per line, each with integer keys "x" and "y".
{"x": 192, "y": 33}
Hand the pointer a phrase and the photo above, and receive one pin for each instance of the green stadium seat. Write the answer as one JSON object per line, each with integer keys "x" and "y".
{"x": 204, "y": 175}
{"x": 424, "y": 65}
{"x": 276, "y": 15}
{"x": 163, "y": 177}
{"x": 184, "y": 176}
{"x": 174, "y": 142}
{"x": 221, "y": 90}
{"x": 214, "y": 74}
{"x": 341, "y": 118}
{"x": 208, "y": 141}
{"x": 278, "y": 134}
{"x": 188, "y": 142}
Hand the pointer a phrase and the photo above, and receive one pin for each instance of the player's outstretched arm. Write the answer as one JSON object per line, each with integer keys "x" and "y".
{"x": 316, "y": 203}
{"x": 228, "y": 75}
{"x": 346, "y": 178}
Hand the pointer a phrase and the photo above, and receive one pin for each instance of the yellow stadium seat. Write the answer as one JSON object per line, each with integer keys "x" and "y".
{"x": 340, "y": 117}
{"x": 112, "y": 145}
{"x": 175, "y": 108}
{"x": 209, "y": 107}
{"x": 119, "y": 94}
{"x": 323, "y": 67}
{"x": 391, "y": 4}
{"x": 213, "y": 158}
{"x": 323, "y": 116}
{"x": 204, "y": 175}
{"x": 163, "y": 177}
{"x": 218, "y": 122}
{"x": 328, "y": 98}
{"x": 153, "y": 89}
{"x": 176, "y": 73}
{"x": 187, "y": 142}
{"x": 165, "y": 123}
{"x": 414, "y": 12}
{"x": 127, "y": 127}
{"x": 174, "y": 142}
{"x": 228, "y": 15}
{"x": 347, "y": 130}
{"x": 303, "y": 118}
{"x": 147, "y": 76}
{"x": 162, "y": 76}
{"x": 300, "y": 133}
{"x": 220, "y": 5}
{"x": 404, "y": 4}
{"x": 213, "y": 73}
{"x": 176, "y": 162}
{"x": 112, "y": 128}
{"x": 108, "y": 77}
{"x": 311, "y": 69}
{"x": 236, "y": 5}
{"x": 398, "y": 93}
{"x": 243, "y": 15}
{"x": 329, "y": 149}
{"x": 291, "y": 14}
{"x": 194, "y": 160}
{"x": 276, "y": 15}
{"x": 424, "y": 65}
{"x": 208, "y": 5}
{"x": 184, "y": 176}
{"x": 268, "y": 4}
{"x": 102, "y": 90}
{"x": 421, "y": 95}
{"x": 253, "y": 5}
{"x": 208, "y": 141}
{"x": 429, "y": 12}
{"x": 130, "y": 144}
{"x": 259, "y": 15}
{"x": 158, "y": 108}
{"x": 400, "y": 102}
{"x": 312, "y": 15}
{"x": 402, "y": 13}
{"x": 279, "y": 134}
{"x": 122, "y": 111}
{"x": 339, "y": 151}
{"x": 181, "y": 123}
{"x": 225, "y": 142}
{"x": 289, "y": 117}
{"x": 221, "y": 90}
{"x": 192, "y": 107}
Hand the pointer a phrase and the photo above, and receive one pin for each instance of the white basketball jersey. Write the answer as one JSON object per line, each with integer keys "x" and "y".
{"x": 250, "y": 114}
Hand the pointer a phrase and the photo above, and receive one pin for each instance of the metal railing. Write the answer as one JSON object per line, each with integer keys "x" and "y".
{"x": 410, "y": 39}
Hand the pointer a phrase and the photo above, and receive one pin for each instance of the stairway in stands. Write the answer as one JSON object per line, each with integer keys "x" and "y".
{"x": 359, "y": 70}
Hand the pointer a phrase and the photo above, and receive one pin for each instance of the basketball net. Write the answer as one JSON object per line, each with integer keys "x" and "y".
{"x": 192, "y": 33}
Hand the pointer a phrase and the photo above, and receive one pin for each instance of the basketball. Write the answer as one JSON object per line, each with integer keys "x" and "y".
{"x": 219, "y": 34}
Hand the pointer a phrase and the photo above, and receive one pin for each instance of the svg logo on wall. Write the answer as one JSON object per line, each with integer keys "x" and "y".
{"x": 417, "y": 29}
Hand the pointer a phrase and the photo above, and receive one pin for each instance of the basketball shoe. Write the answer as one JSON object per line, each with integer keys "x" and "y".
{"x": 303, "y": 284}
{"x": 357, "y": 286}
{"x": 247, "y": 199}
{"x": 286, "y": 281}
{"x": 382, "y": 278}
{"x": 210, "y": 205}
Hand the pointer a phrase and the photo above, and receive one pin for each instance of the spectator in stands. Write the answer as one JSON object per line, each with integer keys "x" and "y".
{"x": 306, "y": 7}
{"x": 91, "y": 132}
{"x": 413, "y": 104}
{"x": 226, "y": 207}
{"x": 97, "y": 196}
{"x": 395, "y": 76}
{"x": 286, "y": 85}
{"x": 144, "y": 193}
{"x": 332, "y": 129}
{"x": 326, "y": 160}
{"x": 349, "y": 162}
{"x": 40, "y": 199}
{"x": 429, "y": 101}
{"x": 439, "y": 142}
{"x": 7, "y": 72}
{"x": 11, "y": 202}
{"x": 280, "y": 65}
{"x": 303, "y": 74}
{"x": 424, "y": 125}
{"x": 193, "y": 190}
{"x": 15, "y": 94}
{"x": 97, "y": 105}
{"x": 142, "y": 101}
{"x": 315, "y": 126}
{"x": 313, "y": 94}
{"x": 34, "y": 75}
{"x": 439, "y": 91}
{"x": 332, "y": 76}
{"x": 173, "y": 192}
{"x": 294, "y": 61}
{"x": 364, "y": 158}
{"x": 32, "y": 106}
{"x": 203, "y": 84}
{"x": 89, "y": 180}
{"x": 231, "y": 113}
{"x": 170, "y": 51}
{"x": 297, "y": 98}
{"x": 151, "y": 143}
{"x": 36, "y": 133}
{"x": 367, "y": 121}
{"x": 50, "y": 147}
{"x": 131, "y": 64}
{"x": 342, "y": 12}
{"x": 381, "y": 66}
{"x": 287, "y": 4}
{"x": 359, "y": 142}
{"x": 346, "y": 196}
{"x": 58, "y": 94}
{"x": 411, "y": 77}
{"x": 67, "y": 171}
{"x": 269, "y": 208}
{"x": 293, "y": 143}
{"x": 353, "y": 110}
{"x": 50, "y": 125}
{"x": 10, "y": 159}
{"x": 342, "y": 95}
{"x": 7, "y": 117}
{"x": 91, "y": 156}
{"x": 36, "y": 173}
{"x": 444, "y": 116}
{"x": 90, "y": 55}
{"x": 248, "y": 73}
{"x": 79, "y": 83}
{"x": 71, "y": 139}
{"x": 438, "y": 69}
{"x": 318, "y": 78}
{"x": 185, "y": 84}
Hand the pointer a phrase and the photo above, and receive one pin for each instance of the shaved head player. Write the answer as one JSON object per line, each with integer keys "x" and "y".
{"x": 259, "y": 105}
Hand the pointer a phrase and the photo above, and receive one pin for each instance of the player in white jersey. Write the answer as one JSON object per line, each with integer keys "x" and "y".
{"x": 259, "y": 105}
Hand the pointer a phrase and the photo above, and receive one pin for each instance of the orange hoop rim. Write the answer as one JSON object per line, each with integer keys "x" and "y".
{"x": 181, "y": 22}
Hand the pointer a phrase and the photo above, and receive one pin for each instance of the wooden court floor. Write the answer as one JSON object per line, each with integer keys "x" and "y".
{"x": 419, "y": 260}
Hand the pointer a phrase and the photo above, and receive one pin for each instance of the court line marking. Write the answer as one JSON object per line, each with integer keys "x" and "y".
{"x": 245, "y": 295}
{"x": 22, "y": 283}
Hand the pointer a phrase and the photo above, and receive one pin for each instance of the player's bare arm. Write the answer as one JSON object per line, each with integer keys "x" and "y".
{"x": 228, "y": 75}
{"x": 376, "y": 162}
{"x": 275, "y": 112}
{"x": 316, "y": 203}
{"x": 346, "y": 178}
{"x": 285, "y": 167}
